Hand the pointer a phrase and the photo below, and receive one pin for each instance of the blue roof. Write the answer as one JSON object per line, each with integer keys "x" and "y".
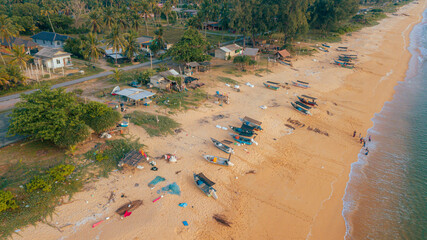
{"x": 50, "y": 36}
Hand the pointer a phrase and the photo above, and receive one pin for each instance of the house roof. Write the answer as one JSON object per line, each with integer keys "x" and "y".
{"x": 144, "y": 39}
{"x": 284, "y": 53}
{"x": 110, "y": 51}
{"x": 18, "y": 41}
{"x": 50, "y": 36}
{"x": 168, "y": 73}
{"x": 51, "y": 52}
{"x": 135, "y": 93}
{"x": 193, "y": 64}
{"x": 156, "y": 78}
{"x": 251, "y": 51}
{"x": 230, "y": 48}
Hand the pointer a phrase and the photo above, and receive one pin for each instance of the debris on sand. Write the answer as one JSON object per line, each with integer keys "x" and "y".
{"x": 222, "y": 220}
{"x": 251, "y": 172}
{"x": 128, "y": 207}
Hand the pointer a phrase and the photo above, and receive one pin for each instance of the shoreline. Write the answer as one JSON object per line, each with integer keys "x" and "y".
{"x": 300, "y": 179}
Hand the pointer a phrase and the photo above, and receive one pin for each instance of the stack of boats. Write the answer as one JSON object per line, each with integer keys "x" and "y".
{"x": 304, "y": 104}
{"x": 346, "y": 60}
{"x": 244, "y": 134}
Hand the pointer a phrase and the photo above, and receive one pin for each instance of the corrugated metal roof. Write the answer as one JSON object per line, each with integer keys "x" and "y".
{"x": 135, "y": 93}
{"x": 141, "y": 95}
{"x": 250, "y": 51}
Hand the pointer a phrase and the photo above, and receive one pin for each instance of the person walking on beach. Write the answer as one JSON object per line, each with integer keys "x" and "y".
{"x": 361, "y": 140}
{"x": 367, "y": 152}
{"x": 354, "y": 134}
{"x": 369, "y": 138}
{"x": 364, "y": 143}
{"x": 360, "y": 135}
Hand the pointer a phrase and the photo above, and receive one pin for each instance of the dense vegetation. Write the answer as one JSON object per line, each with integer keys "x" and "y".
{"x": 59, "y": 117}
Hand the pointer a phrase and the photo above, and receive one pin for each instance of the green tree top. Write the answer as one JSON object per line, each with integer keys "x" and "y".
{"x": 190, "y": 48}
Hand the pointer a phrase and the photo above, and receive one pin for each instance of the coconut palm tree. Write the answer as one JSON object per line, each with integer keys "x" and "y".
{"x": 115, "y": 40}
{"x": 130, "y": 45}
{"x": 117, "y": 74}
{"x": 92, "y": 50}
{"x": 19, "y": 56}
{"x": 108, "y": 18}
{"x": 158, "y": 43}
{"x": 7, "y": 31}
{"x": 4, "y": 80}
{"x": 95, "y": 21}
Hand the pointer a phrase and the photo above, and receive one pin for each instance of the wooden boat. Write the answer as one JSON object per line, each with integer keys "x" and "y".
{"x": 300, "y": 84}
{"x": 307, "y": 100}
{"x": 300, "y": 109}
{"x": 323, "y": 49}
{"x": 327, "y": 46}
{"x": 129, "y": 207}
{"x": 302, "y": 105}
{"x": 345, "y": 59}
{"x": 222, "y": 146}
{"x": 352, "y": 56}
{"x": 250, "y": 122}
{"x": 218, "y": 160}
{"x": 243, "y": 132}
{"x": 342, "y": 49}
{"x": 204, "y": 184}
{"x": 243, "y": 140}
{"x": 344, "y": 64}
{"x": 289, "y": 63}
{"x": 271, "y": 86}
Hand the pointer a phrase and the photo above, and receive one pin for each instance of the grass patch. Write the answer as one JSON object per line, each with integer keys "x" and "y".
{"x": 181, "y": 100}
{"x": 162, "y": 127}
{"x": 37, "y": 205}
{"x": 228, "y": 80}
{"x": 261, "y": 70}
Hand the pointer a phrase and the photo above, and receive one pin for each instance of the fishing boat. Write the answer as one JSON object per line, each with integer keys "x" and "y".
{"x": 342, "y": 49}
{"x": 345, "y": 59}
{"x": 323, "y": 49}
{"x": 302, "y": 105}
{"x": 218, "y": 160}
{"x": 300, "y": 84}
{"x": 327, "y": 46}
{"x": 271, "y": 86}
{"x": 204, "y": 184}
{"x": 222, "y": 146}
{"x": 352, "y": 56}
{"x": 250, "y": 122}
{"x": 243, "y": 132}
{"x": 243, "y": 140}
{"x": 307, "y": 100}
{"x": 300, "y": 109}
{"x": 344, "y": 64}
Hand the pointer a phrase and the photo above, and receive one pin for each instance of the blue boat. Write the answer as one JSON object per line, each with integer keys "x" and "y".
{"x": 243, "y": 140}
{"x": 243, "y": 132}
{"x": 300, "y": 84}
{"x": 300, "y": 109}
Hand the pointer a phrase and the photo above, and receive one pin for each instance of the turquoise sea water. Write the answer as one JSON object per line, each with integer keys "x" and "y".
{"x": 386, "y": 196}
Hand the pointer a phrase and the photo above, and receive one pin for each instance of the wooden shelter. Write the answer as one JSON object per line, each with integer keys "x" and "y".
{"x": 133, "y": 159}
{"x": 282, "y": 54}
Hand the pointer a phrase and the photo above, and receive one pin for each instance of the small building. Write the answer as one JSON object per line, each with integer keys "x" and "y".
{"x": 144, "y": 42}
{"x": 162, "y": 80}
{"x": 133, "y": 95}
{"x": 28, "y": 44}
{"x": 282, "y": 54}
{"x": 253, "y": 53}
{"x": 50, "y": 39}
{"x": 229, "y": 51}
{"x": 53, "y": 58}
{"x": 210, "y": 25}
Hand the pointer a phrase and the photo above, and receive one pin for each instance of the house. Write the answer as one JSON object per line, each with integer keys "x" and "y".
{"x": 50, "y": 39}
{"x": 133, "y": 95}
{"x": 28, "y": 44}
{"x": 210, "y": 25}
{"x": 163, "y": 81}
{"x": 53, "y": 58}
{"x": 115, "y": 56}
{"x": 144, "y": 42}
{"x": 253, "y": 53}
{"x": 228, "y": 51}
{"x": 282, "y": 54}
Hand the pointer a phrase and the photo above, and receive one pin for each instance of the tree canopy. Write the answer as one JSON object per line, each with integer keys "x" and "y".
{"x": 190, "y": 48}
{"x": 58, "y": 117}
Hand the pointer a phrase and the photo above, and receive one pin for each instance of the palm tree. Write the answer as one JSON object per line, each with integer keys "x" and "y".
{"x": 117, "y": 74}
{"x": 167, "y": 9}
{"x": 15, "y": 76}
{"x": 92, "y": 51}
{"x": 7, "y": 31}
{"x": 94, "y": 21}
{"x": 108, "y": 18}
{"x": 135, "y": 21}
{"x": 131, "y": 45}
{"x": 158, "y": 43}
{"x": 19, "y": 55}
{"x": 4, "y": 80}
{"x": 115, "y": 40}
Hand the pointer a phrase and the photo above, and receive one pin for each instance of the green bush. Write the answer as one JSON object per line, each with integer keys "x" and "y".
{"x": 100, "y": 117}
{"x": 59, "y": 172}
{"x": 7, "y": 201}
{"x": 39, "y": 183}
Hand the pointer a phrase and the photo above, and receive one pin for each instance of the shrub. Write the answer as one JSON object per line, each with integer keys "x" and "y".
{"x": 59, "y": 172}
{"x": 100, "y": 117}
{"x": 38, "y": 183}
{"x": 7, "y": 201}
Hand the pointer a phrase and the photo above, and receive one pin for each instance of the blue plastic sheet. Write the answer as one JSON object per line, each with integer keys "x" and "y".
{"x": 172, "y": 188}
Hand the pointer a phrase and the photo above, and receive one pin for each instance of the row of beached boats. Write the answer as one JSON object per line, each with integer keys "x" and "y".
{"x": 346, "y": 60}
{"x": 304, "y": 104}
{"x": 245, "y": 135}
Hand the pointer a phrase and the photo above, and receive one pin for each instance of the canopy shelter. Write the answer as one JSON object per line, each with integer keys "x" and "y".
{"x": 133, "y": 95}
{"x": 132, "y": 159}
{"x": 205, "y": 180}
{"x": 282, "y": 54}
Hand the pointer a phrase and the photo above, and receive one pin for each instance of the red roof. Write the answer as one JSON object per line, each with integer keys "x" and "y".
{"x": 284, "y": 53}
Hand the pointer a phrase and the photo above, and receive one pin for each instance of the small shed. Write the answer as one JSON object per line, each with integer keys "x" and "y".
{"x": 144, "y": 42}
{"x": 282, "y": 54}
{"x": 253, "y": 53}
{"x": 134, "y": 95}
{"x": 161, "y": 80}
{"x": 192, "y": 67}
{"x": 132, "y": 159}
{"x": 228, "y": 51}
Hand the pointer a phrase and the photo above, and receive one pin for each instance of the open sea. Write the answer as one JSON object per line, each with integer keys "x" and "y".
{"x": 386, "y": 196}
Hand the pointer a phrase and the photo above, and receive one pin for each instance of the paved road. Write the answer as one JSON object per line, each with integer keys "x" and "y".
{"x": 4, "y": 126}
{"x": 80, "y": 80}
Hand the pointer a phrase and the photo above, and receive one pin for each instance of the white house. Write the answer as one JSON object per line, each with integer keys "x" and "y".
{"x": 228, "y": 51}
{"x": 50, "y": 39}
{"x": 53, "y": 58}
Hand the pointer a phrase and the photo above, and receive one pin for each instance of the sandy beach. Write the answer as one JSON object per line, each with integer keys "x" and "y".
{"x": 289, "y": 186}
